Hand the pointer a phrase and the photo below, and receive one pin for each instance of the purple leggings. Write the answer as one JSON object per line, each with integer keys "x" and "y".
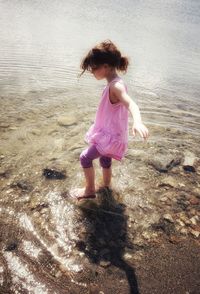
{"x": 91, "y": 153}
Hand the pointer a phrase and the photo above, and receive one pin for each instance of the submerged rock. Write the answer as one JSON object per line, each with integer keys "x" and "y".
{"x": 53, "y": 174}
{"x": 11, "y": 246}
{"x": 4, "y": 173}
{"x": 24, "y": 185}
{"x": 166, "y": 226}
{"x": 68, "y": 120}
{"x": 163, "y": 163}
{"x": 170, "y": 182}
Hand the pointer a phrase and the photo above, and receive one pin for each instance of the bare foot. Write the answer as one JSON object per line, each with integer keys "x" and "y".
{"x": 81, "y": 193}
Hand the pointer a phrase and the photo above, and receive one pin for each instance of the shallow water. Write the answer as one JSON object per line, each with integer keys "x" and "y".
{"x": 50, "y": 244}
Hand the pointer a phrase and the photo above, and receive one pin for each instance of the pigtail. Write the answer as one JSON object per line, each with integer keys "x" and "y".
{"x": 124, "y": 62}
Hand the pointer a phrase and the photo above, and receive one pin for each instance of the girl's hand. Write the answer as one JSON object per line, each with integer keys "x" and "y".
{"x": 141, "y": 129}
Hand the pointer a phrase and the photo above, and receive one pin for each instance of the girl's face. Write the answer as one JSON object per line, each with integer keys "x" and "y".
{"x": 99, "y": 71}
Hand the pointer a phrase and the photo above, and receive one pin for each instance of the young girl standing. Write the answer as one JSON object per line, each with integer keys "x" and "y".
{"x": 108, "y": 136}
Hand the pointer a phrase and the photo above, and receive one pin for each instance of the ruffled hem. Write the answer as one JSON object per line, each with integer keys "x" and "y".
{"x": 107, "y": 144}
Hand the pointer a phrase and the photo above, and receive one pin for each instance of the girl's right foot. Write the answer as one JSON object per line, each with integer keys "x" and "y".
{"x": 81, "y": 193}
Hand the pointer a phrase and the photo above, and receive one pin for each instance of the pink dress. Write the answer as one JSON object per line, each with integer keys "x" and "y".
{"x": 109, "y": 133}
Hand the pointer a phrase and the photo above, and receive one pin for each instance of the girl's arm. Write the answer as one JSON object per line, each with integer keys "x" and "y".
{"x": 119, "y": 91}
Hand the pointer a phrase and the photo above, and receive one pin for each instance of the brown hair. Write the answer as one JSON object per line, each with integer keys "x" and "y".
{"x": 104, "y": 53}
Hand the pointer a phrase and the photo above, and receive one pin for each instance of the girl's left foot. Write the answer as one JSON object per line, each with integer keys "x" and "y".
{"x": 81, "y": 193}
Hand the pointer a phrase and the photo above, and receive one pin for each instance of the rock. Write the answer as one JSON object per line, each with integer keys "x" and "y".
{"x": 163, "y": 163}
{"x": 189, "y": 168}
{"x": 164, "y": 225}
{"x": 184, "y": 231}
{"x": 146, "y": 235}
{"x": 182, "y": 202}
{"x": 11, "y": 246}
{"x": 4, "y": 173}
{"x": 195, "y": 233}
{"x": 189, "y": 162}
{"x": 58, "y": 274}
{"x": 174, "y": 239}
{"x": 180, "y": 222}
{"x": 104, "y": 263}
{"x": 169, "y": 181}
{"x": 68, "y": 120}
{"x": 194, "y": 201}
{"x": 168, "y": 217}
{"x": 185, "y": 219}
{"x": 36, "y": 132}
{"x": 53, "y": 174}
{"x": 127, "y": 256}
{"x": 24, "y": 185}
{"x": 194, "y": 219}
{"x": 164, "y": 199}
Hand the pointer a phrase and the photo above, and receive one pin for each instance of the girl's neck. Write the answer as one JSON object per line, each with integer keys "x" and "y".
{"x": 111, "y": 76}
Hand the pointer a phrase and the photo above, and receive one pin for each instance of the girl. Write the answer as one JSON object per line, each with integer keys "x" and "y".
{"x": 108, "y": 136}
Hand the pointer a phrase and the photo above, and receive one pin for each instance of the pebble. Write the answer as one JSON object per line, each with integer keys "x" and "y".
{"x": 163, "y": 199}
{"x": 180, "y": 222}
{"x": 58, "y": 274}
{"x": 168, "y": 217}
{"x": 194, "y": 233}
{"x": 104, "y": 263}
{"x": 194, "y": 201}
{"x": 146, "y": 235}
{"x": 184, "y": 231}
{"x": 127, "y": 256}
{"x": 169, "y": 181}
{"x": 67, "y": 120}
{"x": 194, "y": 219}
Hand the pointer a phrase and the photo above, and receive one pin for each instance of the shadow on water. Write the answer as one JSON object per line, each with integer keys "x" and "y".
{"x": 108, "y": 238}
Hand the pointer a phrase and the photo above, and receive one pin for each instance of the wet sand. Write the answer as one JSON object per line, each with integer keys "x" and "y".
{"x": 142, "y": 236}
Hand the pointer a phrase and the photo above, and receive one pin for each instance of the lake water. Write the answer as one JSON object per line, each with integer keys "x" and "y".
{"x": 42, "y": 45}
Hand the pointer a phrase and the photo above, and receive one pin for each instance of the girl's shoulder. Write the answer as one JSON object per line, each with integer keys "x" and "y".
{"x": 117, "y": 83}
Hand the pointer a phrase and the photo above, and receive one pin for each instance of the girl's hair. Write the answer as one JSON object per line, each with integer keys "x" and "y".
{"x": 104, "y": 53}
